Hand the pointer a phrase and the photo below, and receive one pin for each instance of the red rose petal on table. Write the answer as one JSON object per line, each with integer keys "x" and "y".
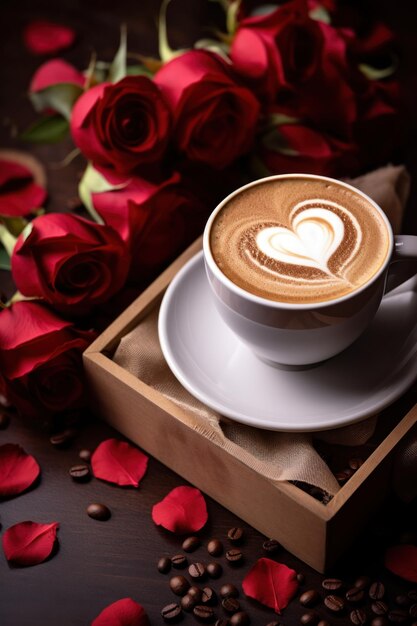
{"x": 43, "y": 37}
{"x": 19, "y": 194}
{"x": 18, "y": 470}
{"x": 183, "y": 510}
{"x": 119, "y": 462}
{"x": 29, "y": 543}
{"x": 55, "y": 72}
{"x": 125, "y": 612}
{"x": 402, "y": 561}
{"x": 271, "y": 583}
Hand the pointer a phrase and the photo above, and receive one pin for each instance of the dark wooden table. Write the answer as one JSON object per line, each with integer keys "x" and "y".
{"x": 100, "y": 562}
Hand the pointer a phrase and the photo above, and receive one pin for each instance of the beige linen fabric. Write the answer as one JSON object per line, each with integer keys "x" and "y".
{"x": 276, "y": 455}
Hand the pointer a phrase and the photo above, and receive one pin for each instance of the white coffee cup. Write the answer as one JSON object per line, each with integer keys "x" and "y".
{"x": 299, "y": 335}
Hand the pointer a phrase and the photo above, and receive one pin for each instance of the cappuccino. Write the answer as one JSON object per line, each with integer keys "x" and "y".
{"x": 299, "y": 240}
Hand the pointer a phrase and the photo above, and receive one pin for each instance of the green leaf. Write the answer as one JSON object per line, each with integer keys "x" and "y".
{"x": 165, "y": 51}
{"x": 273, "y": 140}
{"x": 232, "y": 15}
{"x": 117, "y": 69}
{"x": 7, "y": 239}
{"x": 264, "y": 9}
{"x": 94, "y": 182}
{"x": 138, "y": 70}
{"x": 213, "y": 45}
{"x": 277, "y": 119}
{"x": 15, "y": 225}
{"x": 59, "y": 98}
{"x": 378, "y": 73}
{"x": 50, "y": 129}
{"x": 320, "y": 14}
{"x": 4, "y": 260}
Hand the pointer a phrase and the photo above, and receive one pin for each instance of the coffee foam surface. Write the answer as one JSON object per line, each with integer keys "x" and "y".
{"x": 299, "y": 240}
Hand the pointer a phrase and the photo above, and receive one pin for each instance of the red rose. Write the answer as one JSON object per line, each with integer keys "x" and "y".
{"x": 40, "y": 360}
{"x": 158, "y": 221}
{"x": 72, "y": 263}
{"x": 19, "y": 193}
{"x": 214, "y": 116}
{"x": 122, "y": 126}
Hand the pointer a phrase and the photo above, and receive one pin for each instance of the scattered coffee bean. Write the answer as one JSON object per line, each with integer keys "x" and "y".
{"x": 240, "y": 619}
{"x": 271, "y": 546}
{"x": 234, "y": 556}
{"x": 208, "y": 596}
{"x": 164, "y": 565}
{"x": 402, "y": 600}
{"x": 85, "y": 455}
{"x": 376, "y": 591}
{"x": 235, "y": 534}
{"x": 188, "y": 603}
{"x": 355, "y": 595}
{"x": 342, "y": 477}
{"x": 336, "y": 604}
{"x": 355, "y": 463}
{"x": 362, "y": 582}
{"x": 229, "y": 591}
{"x": 214, "y": 570}
{"x": 310, "y": 598}
{"x": 397, "y": 616}
{"x": 323, "y": 622}
{"x": 358, "y": 617}
{"x": 64, "y": 438}
{"x": 379, "y": 607}
{"x": 412, "y": 611}
{"x": 310, "y": 619}
{"x": 231, "y": 605}
{"x": 197, "y": 571}
{"x": 80, "y": 473}
{"x": 4, "y": 420}
{"x": 221, "y": 622}
{"x": 301, "y": 579}
{"x": 190, "y": 544}
{"x": 171, "y": 612}
{"x": 332, "y": 584}
{"x": 381, "y": 620}
{"x": 215, "y": 547}
{"x": 98, "y": 512}
{"x": 203, "y": 613}
{"x": 179, "y": 561}
{"x": 196, "y": 593}
{"x": 179, "y": 585}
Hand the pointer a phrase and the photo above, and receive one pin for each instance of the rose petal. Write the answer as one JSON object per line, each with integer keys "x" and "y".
{"x": 271, "y": 583}
{"x": 402, "y": 561}
{"x": 19, "y": 194}
{"x": 125, "y": 612}
{"x": 43, "y": 37}
{"x": 119, "y": 462}
{"x": 53, "y": 72}
{"x": 18, "y": 470}
{"x": 183, "y": 510}
{"x": 29, "y": 543}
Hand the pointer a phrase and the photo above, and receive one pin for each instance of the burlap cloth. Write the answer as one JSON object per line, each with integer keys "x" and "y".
{"x": 278, "y": 456}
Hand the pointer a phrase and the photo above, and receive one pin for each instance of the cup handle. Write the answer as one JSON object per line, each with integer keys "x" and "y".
{"x": 403, "y": 264}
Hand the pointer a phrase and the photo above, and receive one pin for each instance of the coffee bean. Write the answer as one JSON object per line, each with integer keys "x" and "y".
{"x": 271, "y": 546}
{"x": 310, "y": 619}
{"x": 412, "y": 611}
{"x": 229, "y": 591}
{"x": 362, "y": 582}
{"x": 179, "y": 561}
{"x": 376, "y": 591}
{"x": 188, "y": 603}
{"x": 190, "y": 544}
{"x": 164, "y": 565}
{"x": 171, "y": 612}
{"x": 196, "y": 593}
{"x": 99, "y": 512}
{"x": 215, "y": 547}
{"x": 332, "y": 584}
{"x": 355, "y": 463}
{"x": 380, "y": 621}
{"x": 342, "y": 477}
{"x": 397, "y": 616}
{"x": 310, "y": 598}
{"x": 240, "y": 619}
{"x": 85, "y": 455}
{"x": 336, "y": 604}
{"x": 301, "y": 579}
{"x": 64, "y": 438}
{"x": 355, "y": 594}
{"x": 197, "y": 571}
{"x": 208, "y": 596}
{"x": 214, "y": 570}
{"x": 179, "y": 585}
{"x": 358, "y": 617}
{"x": 221, "y": 622}
{"x": 234, "y": 556}
{"x": 379, "y": 607}
{"x": 235, "y": 535}
{"x": 203, "y": 613}
{"x": 4, "y": 420}
{"x": 402, "y": 600}
{"x": 231, "y": 605}
{"x": 80, "y": 473}
{"x": 323, "y": 622}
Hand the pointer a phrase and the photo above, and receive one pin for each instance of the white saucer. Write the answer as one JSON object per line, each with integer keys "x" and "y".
{"x": 215, "y": 367}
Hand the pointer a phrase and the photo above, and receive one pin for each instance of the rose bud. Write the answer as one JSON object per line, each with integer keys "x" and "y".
{"x": 70, "y": 262}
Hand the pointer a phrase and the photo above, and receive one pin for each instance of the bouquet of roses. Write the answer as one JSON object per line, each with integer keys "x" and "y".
{"x": 298, "y": 87}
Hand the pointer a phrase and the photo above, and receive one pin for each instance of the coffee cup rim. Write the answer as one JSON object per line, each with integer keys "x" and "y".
{"x": 276, "y": 304}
